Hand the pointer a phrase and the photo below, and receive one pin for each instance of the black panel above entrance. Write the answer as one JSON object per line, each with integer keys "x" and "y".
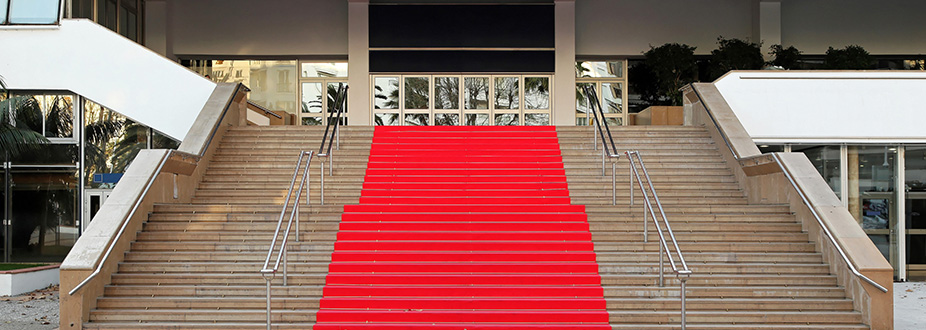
{"x": 462, "y": 61}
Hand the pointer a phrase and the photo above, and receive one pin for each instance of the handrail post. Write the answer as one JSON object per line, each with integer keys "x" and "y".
{"x": 682, "y": 294}
{"x": 285, "y": 265}
{"x": 268, "y": 302}
{"x": 322, "y": 182}
{"x": 630, "y": 171}
{"x": 603, "y": 171}
{"x": 662, "y": 280}
{"x": 613, "y": 182}
{"x": 330, "y": 165}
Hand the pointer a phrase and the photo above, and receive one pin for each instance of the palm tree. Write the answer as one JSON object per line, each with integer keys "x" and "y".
{"x": 18, "y": 117}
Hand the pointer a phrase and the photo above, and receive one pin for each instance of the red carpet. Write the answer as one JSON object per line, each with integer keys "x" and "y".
{"x": 464, "y": 228}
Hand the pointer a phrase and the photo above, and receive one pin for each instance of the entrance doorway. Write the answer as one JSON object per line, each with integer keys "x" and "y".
{"x": 40, "y": 206}
{"x": 93, "y": 201}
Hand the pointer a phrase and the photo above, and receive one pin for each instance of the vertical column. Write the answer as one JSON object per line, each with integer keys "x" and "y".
{"x": 358, "y": 62}
{"x": 844, "y": 174}
{"x": 564, "y": 79}
{"x": 900, "y": 229}
{"x": 769, "y": 24}
{"x": 156, "y": 28}
{"x": 855, "y": 202}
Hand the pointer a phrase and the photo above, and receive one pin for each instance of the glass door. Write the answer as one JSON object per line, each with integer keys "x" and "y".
{"x": 318, "y": 100}
{"x": 872, "y": 197}
{"x": 93, "y": 201}
{"x": 42, "y": 211}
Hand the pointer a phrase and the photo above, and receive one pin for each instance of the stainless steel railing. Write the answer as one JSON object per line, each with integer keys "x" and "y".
{"x": 269, "y": 271}
{"x": 651, "y": 198}
{"x": 826, "y": 230}
{"x": 608, "y": 148}
{"x": 334, "y": 122}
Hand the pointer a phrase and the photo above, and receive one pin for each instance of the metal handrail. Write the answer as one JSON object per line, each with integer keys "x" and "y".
{"x": 335, "y": 138}
{"x": 681, "y": 272}
{"x": 591, "y": 99}
{"x": 267, "y": 271}
{"x": 826, "y": 230}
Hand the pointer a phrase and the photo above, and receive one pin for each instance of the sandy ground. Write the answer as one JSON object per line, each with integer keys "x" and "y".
{"x": 32, "y": 311}
{"x": 909, "y": 305}
{"x": 39, "y": 310}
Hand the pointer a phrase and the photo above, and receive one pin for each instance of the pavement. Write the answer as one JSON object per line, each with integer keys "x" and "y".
{"x": 38, "y": 310}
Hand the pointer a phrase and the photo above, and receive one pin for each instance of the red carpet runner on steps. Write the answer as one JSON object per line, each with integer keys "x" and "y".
{"x": 464, "y": 228}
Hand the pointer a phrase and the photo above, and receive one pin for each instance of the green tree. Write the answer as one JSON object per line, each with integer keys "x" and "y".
{"x": 669, "y": 67}
{"x": 786, "y": 58}
{"x": 735, "y": 54}
{"x": 20, "y": 121}
{"x": 852, "y": 57}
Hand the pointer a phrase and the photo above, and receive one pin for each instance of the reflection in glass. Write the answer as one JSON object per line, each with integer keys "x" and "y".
{"x": 312, "y": 97}
{"x": 324, "y": 70}
{"x": 507, "y": 93}
{"x": 916, "y": 249}
{"x": 44, "y": 213}
{"x": 28, "y": 115}
{"x": 476, "y": 94}
{"x": 506, "y": 119}
{"x": 771, "y": 148}
{"x": 272, "y": 83}
{"x": 871, "y": 203}
{"x": 614, "y": 121}
{"x": 386, "y": 119}
{"x": 59, "y": 116}
{"x": 416, "y": 119}
{"x": 537, "y": 92}
{"x": 536, "y": 119}
{"x": 827, "y": 161}
{"x": 476, "y": 119}
{"x": 3, "y": 8}
{"x": 34, "y": 11}
{"x": 446, "y": 93}
{"x": 311, "y": 121}
{"x": 161, "y": 141}
{"x": 612, "y": 98}
{"x": 883, "y": 242}
{"x": 446, "y": 119}
{"x": 915, "y": 165}
{"x": 600, "y": 69}
{"x": 386, "y": 93}
{"x": 582, "y": 108}
{"x": 581, "y": 121}
{"x": 335, "y": 98}
{"x": 416, "y": 93}
{"x": 49, "y": 154}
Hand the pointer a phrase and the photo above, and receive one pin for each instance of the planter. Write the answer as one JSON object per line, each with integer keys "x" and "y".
{"x": 19, "y": 281}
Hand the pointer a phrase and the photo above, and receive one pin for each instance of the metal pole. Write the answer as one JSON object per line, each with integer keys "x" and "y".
{"x": 683, "y": 279}
{"x": 322, "y": 182}
{"x": 296, "y": 210}
{"x": 595, "y": 139}
{"x": 603, "y": 171}
{"x": 630, "y": 171}
{"x": 338, "y": 135}
{"x": 645, "y": 225}
{"x": 662, "y": 281}
{"x": 330, "y": 165}
{"x": 613, "y": 183}
{"x": 285, "y": 265}
{"x": 268, "y": 302}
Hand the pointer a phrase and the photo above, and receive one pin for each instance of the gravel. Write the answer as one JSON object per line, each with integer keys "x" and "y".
{"x": 32, "y": 311}
{"x": 39, "y": 310}
{"x": 909, "y": 305}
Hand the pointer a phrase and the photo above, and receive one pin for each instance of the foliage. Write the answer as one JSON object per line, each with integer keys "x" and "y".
{"x": 735, "y": 54}
{"x": 20, "y": 122}
{"x": 852, "y": 57}
{"x": 667, "y": 68}
{"x": 786, "y": 58}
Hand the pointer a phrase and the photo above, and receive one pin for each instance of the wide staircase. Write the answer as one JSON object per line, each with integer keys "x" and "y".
{"x": 471, "y": 228}
{"x": 195, "y": 266}
{"x": 753, "y": 267}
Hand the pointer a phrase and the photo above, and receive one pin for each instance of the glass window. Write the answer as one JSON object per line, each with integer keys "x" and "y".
{"x": 582, "y": 109}
{"x": 537, "y": 92}
{"x": 324, "y": 70}
{"x": 416, "y": 119}
{"x": 3, "y": 8}
{"x": 446, "y": 119}
{"x": 506, "y": 119}
{"x": 312, "y": 97}
{"x": 590, "y": 69}
{"x": 334, "y": 97}
{"x": 446, "y": 93}
{"x": 476, "y": 95}
{"x": 27, "y": 112}
{"x": 536, "y": 119}
{"x": 79, "y": 8}
{"x": 59, "y": 116}
{"x": 272, "y": 83}
{"x": 43, "y": 207}
{"x": 386, "y": 93}
{"x": 612, "y": 98}
{"x": 34, "y": 11}
{"x": 507, "y": 93}
{"x": 764, "y": 148}
{"x": 417, "y": 90}
{"x": 387, "y": 119}
{"x": 827, "y": 161}
{"x": 476, "y": 119}
{"x": 915, "y": 166}
{"x": 871, "y": 203}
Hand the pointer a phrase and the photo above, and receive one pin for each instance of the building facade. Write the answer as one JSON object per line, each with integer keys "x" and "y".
{"x": 516, "y": 62}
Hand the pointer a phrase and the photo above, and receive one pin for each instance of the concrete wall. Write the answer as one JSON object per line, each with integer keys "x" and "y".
{"x": 629, "y": 27}
{"x": 17, "y": 282}
{"x": 882, "y": 27}
{"x": 254, "y": 28}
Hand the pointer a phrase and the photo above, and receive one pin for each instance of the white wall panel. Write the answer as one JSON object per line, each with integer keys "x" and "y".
{"x": 255, "y": 28}
{"x": 99, "y": 64}
{"x": 834, "y": 106}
